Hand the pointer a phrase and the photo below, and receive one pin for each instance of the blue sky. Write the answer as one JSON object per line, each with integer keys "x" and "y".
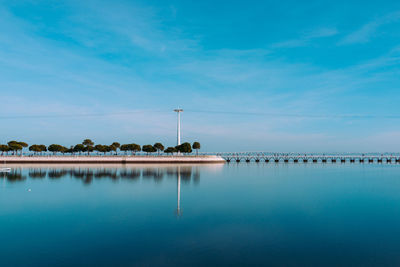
{"x": 280, "y": 75}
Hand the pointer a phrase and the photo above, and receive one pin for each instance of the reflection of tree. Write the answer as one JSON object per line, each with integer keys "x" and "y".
{"x": 114, "y": 175}
{"x": 186, "y": 174}
{"x": 102, "y": 174}
{"x": 37, "y": 173}
{"x": 171, "y": 172}
{"x": 15, "y": 176}
{"x": 158, "y": 175}
{"x": 78, "y": 174}
{"x": 56, "y": 174}
{"x": 86, "y": 175}
{"x": 132, "y": 174}
{"x": 196, "y": 176}
{"x": 148, "y": 173}
{"x": 106, "y": 174}
{"x": 88, "y": 178}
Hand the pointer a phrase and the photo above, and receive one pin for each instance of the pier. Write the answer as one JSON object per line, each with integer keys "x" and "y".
{"x": 217, "y": 157}
{"x": 117, "y": 159}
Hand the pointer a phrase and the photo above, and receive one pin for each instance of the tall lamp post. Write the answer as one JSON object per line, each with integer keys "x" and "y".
{"x": 178, "y": 137}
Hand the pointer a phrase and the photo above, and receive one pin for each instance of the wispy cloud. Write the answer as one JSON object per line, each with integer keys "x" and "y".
{"x": 369, "y": 30}
{"x": 306, "y": 38}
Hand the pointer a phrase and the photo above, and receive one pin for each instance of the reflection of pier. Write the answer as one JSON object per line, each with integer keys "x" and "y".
{"x": 184, "y": 174}
{"x": 178, "y": 181}
{"x": 310, "y": 158}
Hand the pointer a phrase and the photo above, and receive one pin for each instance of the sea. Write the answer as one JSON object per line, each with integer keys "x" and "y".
{"x": 236, "y": 214}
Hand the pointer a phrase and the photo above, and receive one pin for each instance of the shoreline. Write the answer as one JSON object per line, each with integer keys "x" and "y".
{"x": 142, "y": 159}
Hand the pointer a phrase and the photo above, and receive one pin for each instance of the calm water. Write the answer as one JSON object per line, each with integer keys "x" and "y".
{"x": 226, "y": 215}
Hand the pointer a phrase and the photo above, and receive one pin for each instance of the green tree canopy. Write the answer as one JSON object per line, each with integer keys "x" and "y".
{"x": 70, "y": 150}
{"x": 102, "y": 149}
{"x": 99, "y": 148}
{"x": 184, "y": 148}
{"x": 55, "y": 148}
{"x": 124, "y": 147}
{"x": 116, "y": 144}
{"x": 35, "y": 149}
{"x": 134, "y": 148}
{"x": 149, "y": 149}
{"x": 88, "y": 149}
{"x": 196, "y": 145}
{"x": 109, "y": 148}
{"x": 88, "y": 145}
{"x": 79, "y": 148}
{"x": 170, "y": 150}
{"x": 159, "y": 147}
{"x": 23, "y": 144}
{"x": 4, "y": 148}
{"x": 114, "y": 147}
{"x": 15, "y": 146}
{"x": 63, "y": 149}
{"x": 43, "y": 148}
{"x": 88, "y": 142}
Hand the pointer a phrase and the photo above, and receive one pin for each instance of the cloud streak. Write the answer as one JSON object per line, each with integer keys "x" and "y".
{"x": 307, "y": 38}
{"x": 369, "y": 30}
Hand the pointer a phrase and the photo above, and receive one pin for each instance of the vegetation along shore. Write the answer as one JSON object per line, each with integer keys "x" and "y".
{"x": 89, "y": 147}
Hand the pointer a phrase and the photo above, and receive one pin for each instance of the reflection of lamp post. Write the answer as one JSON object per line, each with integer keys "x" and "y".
{"x": 178, "y": 206}
{"x": 178, "y": 137}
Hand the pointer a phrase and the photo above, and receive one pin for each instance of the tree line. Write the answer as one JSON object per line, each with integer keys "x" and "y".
{"x": 88, "y": 146}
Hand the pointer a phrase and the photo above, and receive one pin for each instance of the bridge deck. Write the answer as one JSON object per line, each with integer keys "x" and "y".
{"x": 287, "y": 158}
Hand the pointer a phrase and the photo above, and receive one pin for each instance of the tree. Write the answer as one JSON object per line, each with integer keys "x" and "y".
{"x": 149, "y": 149}
{"x": 70, "y": 150}
{"x": 43, "y": 148}
{"x": 159, "y": 147}
{"x": 55, "y": 148}
{"x": 99, "y": 148}
{"x": 102, "y": 149}
{"x": 109, "y": 148}
{"x": 23, "y": 144}
{"x": 87, "y": 142}
{"x": 79, "y": 148}
{"x": 137, "y": 148}
{"x": 196, "y": 145}
{"x": 88, "y": 145}
{"x": 63, "y": 149}
{"x": 114, "y": 146}
{"x": 4, "y": 148}
{"x": 134, "y": 148}
{"x": 14, "y": 146}
{"x": 35, "y": 149}
{"x": 88, "y": 149}
{"x": 124, "y": 148}
{"x": 184, "y": 148}
{"x": 170, "y": 150}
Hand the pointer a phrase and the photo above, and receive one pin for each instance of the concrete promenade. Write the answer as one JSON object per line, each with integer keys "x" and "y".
{"x": 111, "y": 159}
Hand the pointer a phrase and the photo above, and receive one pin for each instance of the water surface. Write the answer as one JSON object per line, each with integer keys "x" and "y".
{"x": 201, "y": 215}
